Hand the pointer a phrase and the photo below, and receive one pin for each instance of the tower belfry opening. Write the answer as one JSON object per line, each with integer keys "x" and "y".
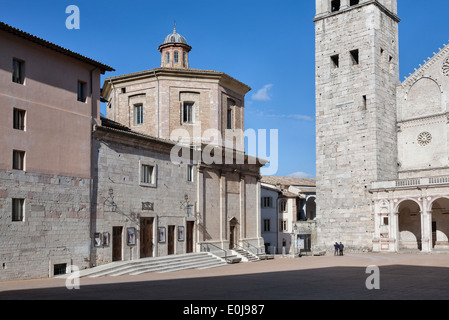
{"x": 335, "y": 5}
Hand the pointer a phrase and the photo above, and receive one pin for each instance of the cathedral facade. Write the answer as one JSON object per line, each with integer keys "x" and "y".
{"x": 382, "y": 144}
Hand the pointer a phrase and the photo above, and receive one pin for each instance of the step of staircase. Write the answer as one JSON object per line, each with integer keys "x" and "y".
{"x": 170, "y": 263}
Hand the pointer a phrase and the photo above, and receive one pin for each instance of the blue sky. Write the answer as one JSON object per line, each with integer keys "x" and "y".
{"x": 269, "y": 45}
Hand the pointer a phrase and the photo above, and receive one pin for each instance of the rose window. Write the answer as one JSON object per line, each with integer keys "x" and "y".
{"x": 424, "y": 138}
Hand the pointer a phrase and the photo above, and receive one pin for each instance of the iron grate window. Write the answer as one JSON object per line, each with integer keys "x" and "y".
{"x": 59, "y": 269}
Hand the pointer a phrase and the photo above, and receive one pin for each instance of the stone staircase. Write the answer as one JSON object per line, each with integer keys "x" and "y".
{"x": 247, "y": 256}
{"x": 202, "y": 260}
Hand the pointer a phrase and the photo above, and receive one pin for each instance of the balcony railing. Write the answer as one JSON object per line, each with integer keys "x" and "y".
{"x": 412, "y": 182}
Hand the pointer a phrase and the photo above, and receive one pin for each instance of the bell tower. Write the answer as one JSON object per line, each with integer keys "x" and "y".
{"x": 357, "y": 71}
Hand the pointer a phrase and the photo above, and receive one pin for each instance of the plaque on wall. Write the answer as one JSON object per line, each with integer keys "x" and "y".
{"x": 148, "y": 206}
{"x": 131, "y": 236}
{"x": 98, "y": 239}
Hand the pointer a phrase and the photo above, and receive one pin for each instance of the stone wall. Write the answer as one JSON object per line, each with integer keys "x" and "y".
{"x": 120, "y": 156}
{"x": 55, "y": 227}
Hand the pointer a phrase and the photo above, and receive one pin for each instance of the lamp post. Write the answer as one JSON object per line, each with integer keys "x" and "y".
{"x": 187, "y": 206}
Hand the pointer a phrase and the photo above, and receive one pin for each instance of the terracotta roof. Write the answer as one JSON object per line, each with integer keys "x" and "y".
{"x": 52, "y": 46}
{"x": 288, "y": 194}
{"x": 105, "y": 122}
{"x": 108, "y": 125}
{"x": 288, "y": 181}
{"x": 190, "y": 71}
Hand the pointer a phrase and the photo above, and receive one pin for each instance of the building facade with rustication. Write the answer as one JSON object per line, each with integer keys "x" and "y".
{"x": 382, "y": 145}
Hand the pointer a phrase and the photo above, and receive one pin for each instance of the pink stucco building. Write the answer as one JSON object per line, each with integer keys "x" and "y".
{"x": 49, "y": 101}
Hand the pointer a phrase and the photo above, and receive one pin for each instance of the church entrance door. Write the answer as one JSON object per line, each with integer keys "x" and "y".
{"x": 233, "y": 233}
{"x": 146, "y": 237}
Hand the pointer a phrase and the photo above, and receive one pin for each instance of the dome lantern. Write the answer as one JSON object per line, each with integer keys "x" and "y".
{"x": 175, "y": 51}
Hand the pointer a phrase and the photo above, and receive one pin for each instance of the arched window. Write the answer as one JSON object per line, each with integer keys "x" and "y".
{"x": 167, "y": 57}
{"x": 184, "y": 59}
{"x": 176, "y": 57}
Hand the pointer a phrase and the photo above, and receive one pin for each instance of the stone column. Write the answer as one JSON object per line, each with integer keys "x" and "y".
{"x": 426, "y": 229}
{"x": 223, "y": 209}
{"x": 376, "y": 236}
{"x": 242, "y": 197}
{"x": 395, "y": 229}
{"x": 201, "y": 219}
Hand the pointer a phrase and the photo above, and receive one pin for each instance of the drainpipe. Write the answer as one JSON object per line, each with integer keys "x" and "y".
{"x": 113, "y": 88}
{"x": 157, "y": 79}
{"x": 92, "y": 170}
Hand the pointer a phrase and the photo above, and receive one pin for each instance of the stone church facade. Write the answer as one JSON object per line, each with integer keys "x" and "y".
{"x": 382, "y": 145}
{"x": 215, "y": 204}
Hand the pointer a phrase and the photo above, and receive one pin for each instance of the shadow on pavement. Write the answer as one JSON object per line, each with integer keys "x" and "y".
{"x": 397, "y": 282}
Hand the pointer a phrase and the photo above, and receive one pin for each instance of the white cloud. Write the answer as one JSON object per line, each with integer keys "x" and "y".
{"x": 286, "y": 116}
{"x": 291, "y": 116}
{"x": 263, "y": 94}
{"x": 300, "y": 174}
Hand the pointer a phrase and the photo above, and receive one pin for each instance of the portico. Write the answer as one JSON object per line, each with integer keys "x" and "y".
{"x": 411, "y": 214}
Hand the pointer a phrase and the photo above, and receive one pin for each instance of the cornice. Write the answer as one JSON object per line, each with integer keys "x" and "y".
{"x": 375, "y": 2}
{"x": 419, "y": 73}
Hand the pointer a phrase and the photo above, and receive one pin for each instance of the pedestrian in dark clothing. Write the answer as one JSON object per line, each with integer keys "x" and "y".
{"x": 337, "y": 248}
{"x": 341, "y": 248}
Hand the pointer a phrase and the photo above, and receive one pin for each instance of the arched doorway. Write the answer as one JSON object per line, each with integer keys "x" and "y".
{"x": 310, "y": 209}
{"x": 409, "y": 223}
{"x": 440, "y": 224}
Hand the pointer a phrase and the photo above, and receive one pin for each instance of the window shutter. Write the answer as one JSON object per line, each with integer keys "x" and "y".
{"x": 181, "y": 112}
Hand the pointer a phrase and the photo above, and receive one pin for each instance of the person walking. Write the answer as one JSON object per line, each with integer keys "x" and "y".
{"x": 337, "y": 249}
{"x": 341, "y": 246}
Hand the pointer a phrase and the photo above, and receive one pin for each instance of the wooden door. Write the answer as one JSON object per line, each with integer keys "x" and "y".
{"x": 117, "y": 243}
{"x": 171, "y": 240}
{"x": 146, "y": 237}
{"x": 189, "y": 237}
